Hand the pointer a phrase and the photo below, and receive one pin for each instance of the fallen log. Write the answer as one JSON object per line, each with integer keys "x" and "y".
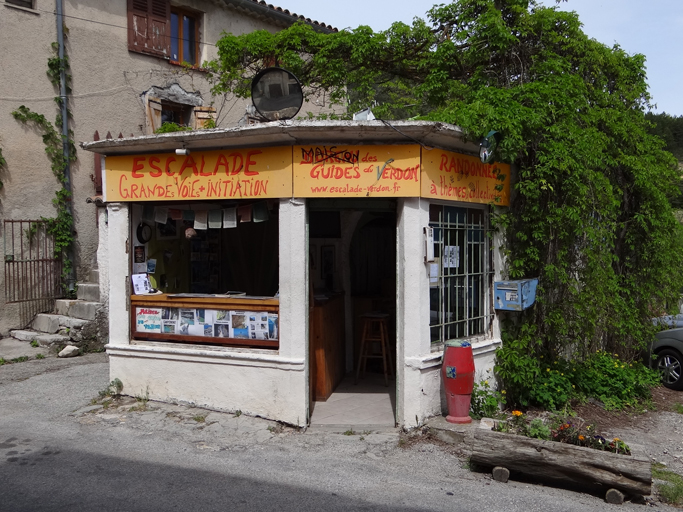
{"x": 562, "y": 463}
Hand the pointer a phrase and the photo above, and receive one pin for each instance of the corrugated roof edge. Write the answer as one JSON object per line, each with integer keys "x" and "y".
{"x": 278, "y": 13}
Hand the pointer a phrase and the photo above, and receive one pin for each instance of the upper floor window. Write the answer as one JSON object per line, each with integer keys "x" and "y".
{"x": 184, "y": 36}
{"x": 21, "y": 3}
{"x": 157, "y": 29}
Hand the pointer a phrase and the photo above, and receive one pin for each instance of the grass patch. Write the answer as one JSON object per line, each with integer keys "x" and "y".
{"x": 40, "y": 356}
{"x": 350, "y": 432}
{"x": 35, "y": 344}
{"x": 20, "y": 359}
{"x": 678, "y": 408}
{"x": 671, "y": 492}
{"x": 199, "y": 418}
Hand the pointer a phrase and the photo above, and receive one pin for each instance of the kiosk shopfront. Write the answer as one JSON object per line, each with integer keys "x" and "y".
{"x": 239, "y": 264}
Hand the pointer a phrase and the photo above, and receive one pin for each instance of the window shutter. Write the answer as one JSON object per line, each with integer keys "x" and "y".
{"x": 202, "y": 115}
{"x": 153, "y": 114}
{"x": 148, "y": 26}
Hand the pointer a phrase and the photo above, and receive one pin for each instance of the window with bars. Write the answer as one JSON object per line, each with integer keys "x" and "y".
{"x": 460, "y": 274}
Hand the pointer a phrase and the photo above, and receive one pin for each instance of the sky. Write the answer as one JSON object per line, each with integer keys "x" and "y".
{"x": 651, "y": 27}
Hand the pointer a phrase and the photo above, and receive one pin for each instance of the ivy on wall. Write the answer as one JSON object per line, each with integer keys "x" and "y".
{"x": 60, "y": 226}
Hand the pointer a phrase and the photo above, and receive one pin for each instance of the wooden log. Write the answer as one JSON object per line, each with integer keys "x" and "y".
{"x": 563, "y": 463}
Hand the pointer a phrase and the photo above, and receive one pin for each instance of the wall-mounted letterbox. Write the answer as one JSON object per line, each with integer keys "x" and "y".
{"x": 514, "y": 295}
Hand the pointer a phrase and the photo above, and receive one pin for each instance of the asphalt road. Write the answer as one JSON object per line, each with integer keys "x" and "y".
{"x": 56, "y": 453}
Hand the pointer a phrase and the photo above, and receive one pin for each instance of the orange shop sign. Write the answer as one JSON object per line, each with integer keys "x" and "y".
{"x": 456, "y": 177}
{"x": 222, "y": 174}
{"x": 356, "y": 171}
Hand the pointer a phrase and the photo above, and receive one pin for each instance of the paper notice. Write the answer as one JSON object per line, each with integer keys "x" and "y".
{"x": 230, "y": 218}
{"x": 215, "y": 219}
{"x": 160, "y": 214}
{"x": 245, "y": 213}
{"x": 200, "y": 219}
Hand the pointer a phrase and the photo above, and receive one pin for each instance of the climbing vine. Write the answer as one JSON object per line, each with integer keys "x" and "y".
{"x": 60, "y": 226}
{"x": 3, "y": 164}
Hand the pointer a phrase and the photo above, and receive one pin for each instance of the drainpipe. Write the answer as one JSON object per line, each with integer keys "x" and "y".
{"x": 70, "y": 280}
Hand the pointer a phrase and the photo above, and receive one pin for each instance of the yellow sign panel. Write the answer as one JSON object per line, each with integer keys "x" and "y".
{"x": 223, "y": 174}
{"x": 455, "y": 177}
{"x": 356, "y": 171}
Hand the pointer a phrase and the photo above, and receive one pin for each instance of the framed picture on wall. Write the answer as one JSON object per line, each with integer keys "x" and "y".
{"x": 168, "y": 231}
{"x": 326, "y": 261}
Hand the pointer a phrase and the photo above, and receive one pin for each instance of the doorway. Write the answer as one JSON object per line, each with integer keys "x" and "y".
{"x": 352, "y": 273}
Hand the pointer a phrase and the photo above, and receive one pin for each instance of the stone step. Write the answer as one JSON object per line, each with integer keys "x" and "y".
{"x": 88, "y": 292}
{"x": 43, "y": 339}
{"x": 94, "y": 276}
{"x": 45, "y": 322}
{"x": 77, "y": 308}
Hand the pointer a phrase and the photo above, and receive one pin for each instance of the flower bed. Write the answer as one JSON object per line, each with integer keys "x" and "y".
{"x": 562, "y": 430}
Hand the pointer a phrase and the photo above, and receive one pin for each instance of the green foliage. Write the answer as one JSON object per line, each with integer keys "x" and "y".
{"x": 538, "y": 430}
{"x": 3, "y": 165}
{"x": 60, "y": 226}
{"x": 485, "y": 402}
{"x": 167, "y": 127}
{"x": 602, "y": 376}
{"x": 670, "y": 130}
{"x": 672, "y": 492}
{"x": 591, "y": 213}
{"x": 113, "y": 390}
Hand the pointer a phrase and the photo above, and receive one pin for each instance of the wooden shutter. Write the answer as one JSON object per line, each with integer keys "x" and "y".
{"x": 202, "y": 115}
{"x": 149, "y": 26}
{"x": 153, "y": 114}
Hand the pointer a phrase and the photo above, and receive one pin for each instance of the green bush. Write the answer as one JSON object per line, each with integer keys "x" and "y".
{"x": 552, "y": 385}
{"x": 167, "y": 127}
{"x": 485, "y": 402}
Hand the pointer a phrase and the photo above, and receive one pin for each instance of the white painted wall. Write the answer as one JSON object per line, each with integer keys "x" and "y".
{"x": 420, "y": 392}
{"x": 271, "y": 384}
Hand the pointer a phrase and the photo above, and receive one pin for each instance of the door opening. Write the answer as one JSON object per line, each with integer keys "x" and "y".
{"x": 352, "y": 275}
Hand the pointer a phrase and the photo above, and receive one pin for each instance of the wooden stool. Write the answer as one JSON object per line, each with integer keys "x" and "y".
{"x": 375, "y": 330}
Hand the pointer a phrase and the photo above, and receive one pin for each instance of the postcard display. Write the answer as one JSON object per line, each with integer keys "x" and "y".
{"x": 209, "y": 323}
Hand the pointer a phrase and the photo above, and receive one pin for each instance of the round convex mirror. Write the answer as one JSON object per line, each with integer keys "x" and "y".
{"x": 276, "y": 94}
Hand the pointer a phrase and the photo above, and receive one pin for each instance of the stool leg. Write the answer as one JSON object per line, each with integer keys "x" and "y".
{"x": 383, "y": 347}
{"x": 391, "y": 361}
{"x": 361, "y": 353}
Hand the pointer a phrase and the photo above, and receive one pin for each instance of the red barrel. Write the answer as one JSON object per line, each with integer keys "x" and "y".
{"x": 458, "y": 380}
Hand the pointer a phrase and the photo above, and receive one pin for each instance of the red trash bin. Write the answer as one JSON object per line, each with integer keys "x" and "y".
{"x": 458, "y": 379}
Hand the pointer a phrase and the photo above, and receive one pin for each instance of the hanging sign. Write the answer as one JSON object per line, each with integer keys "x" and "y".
{"x": 223, "y": 174}
{"x": 356, "y": 171}
{"x": 456, "y": 177}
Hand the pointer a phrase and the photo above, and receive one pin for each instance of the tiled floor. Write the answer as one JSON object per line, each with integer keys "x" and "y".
{"x": 369, "y": 403}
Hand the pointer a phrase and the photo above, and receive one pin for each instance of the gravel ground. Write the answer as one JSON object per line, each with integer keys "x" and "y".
{"x": 58, "y": 451}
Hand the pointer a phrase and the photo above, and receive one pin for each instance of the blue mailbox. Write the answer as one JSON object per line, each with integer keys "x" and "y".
{"x": 514, "y": 295}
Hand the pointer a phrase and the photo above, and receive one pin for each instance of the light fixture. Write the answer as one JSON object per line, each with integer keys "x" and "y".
{"x": 182, "y": 151}
{"x": 487, "y": 147}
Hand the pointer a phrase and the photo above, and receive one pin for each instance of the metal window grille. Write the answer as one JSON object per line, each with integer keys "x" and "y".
{"x": 32, "y": 272}
{"x": 459, "y": 278}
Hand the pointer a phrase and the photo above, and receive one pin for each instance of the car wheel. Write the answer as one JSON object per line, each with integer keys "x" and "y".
{"x": 670, "y": 364}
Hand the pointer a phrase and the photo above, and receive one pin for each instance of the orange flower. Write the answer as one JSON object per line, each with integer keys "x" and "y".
{"x": 581, "y": 438}
{"x": 517, "y": 413}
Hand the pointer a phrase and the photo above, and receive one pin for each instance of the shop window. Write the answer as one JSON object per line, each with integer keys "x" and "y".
{"x": 459, "y": 276}
{"x": 156, "y": 28}
{"x": 215, "y": 269}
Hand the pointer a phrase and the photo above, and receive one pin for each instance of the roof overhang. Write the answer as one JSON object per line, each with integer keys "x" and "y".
{"x": 294, "y": 133}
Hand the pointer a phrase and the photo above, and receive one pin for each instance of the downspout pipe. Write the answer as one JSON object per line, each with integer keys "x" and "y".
{"x": 70, "y": 279}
